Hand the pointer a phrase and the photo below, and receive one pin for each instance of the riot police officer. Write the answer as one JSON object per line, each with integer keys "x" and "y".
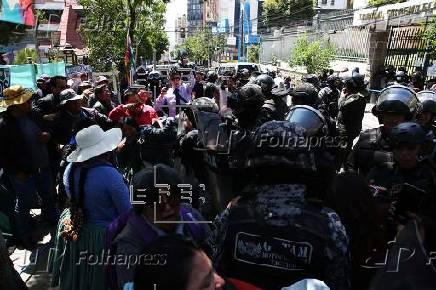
{"x": 330, "y": 96}
{"x": 401, "y": 78}
{"x": 154, "y": 83}
{"x": 427, "y": 113}
{"x": 351, "y": 106}
{"x": 395, "y": 105}
{"x": 278, "y": 231}
{"x": 305, "y": 94}
{"x": 275, "y": 108}
{"x": 408, "y": 178}
{"x": 312, "y": 79}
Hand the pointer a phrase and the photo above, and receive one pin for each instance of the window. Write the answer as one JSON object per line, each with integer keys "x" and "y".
{"x": 323, "y": 2}
{"x": 332, "y": 2}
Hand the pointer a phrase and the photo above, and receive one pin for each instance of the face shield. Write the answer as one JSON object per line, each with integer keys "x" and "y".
{"x": 307, "y": 118}
{"x": 397, "y": 99}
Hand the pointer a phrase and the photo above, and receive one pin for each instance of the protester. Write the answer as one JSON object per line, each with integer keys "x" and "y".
{"x": 93, "y": 206}
{"x": 157, "y": 207}
{"x": 179, "y": 94}
{"x": 186, "y": 264}
{"x": 71, "y": 112}
{"x": 134, "y": 108}
{"x": 49, "y": 104}
{"x": 104, "y": 104}
{"x": 25, "y": 159}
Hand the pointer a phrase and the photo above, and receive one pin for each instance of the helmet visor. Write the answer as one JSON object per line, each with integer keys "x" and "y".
{"x": 307, "y": 119}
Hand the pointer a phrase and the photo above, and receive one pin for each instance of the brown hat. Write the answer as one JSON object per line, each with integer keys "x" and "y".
{"x": 15, "y": 95}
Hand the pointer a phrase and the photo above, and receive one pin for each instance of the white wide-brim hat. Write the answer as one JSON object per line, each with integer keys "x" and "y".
{"x": 93, "y": 141}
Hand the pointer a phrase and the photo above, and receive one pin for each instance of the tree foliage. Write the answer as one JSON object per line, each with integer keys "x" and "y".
{"x": 253, "y": 53}
{"x": 203, "y": 45}
{"x": 108, "y": 22}
{"x": 314, "y": 55}
{"x": 280, "y": 13}
{"x": 377, "y": 3}
{"x": 23, "y": 54}
{"x": 430, "y": 35}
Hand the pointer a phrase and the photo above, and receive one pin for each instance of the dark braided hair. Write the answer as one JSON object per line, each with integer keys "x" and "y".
{"x": 74, "y": 224}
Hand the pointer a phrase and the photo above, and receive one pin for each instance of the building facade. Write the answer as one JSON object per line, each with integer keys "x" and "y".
{"x": 195, "y": 15}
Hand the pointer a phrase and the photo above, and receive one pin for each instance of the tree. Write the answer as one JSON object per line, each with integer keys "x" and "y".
{"x": 204, "y": 46}
{"x": 314, "y": 55}
{"x": 280, "y": 13}
{"x": 108, "y": 22}
{"x": 253, "y": 53}
{"x": 430, "y": 35}
{"x": 23, "y": 54}
{"x": 377, "y": 3}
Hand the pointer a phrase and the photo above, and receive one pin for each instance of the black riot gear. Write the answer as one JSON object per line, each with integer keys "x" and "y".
{"x": 266, "y": 83}
{"x": 397, "y": 99}
{"x": 428, "y": 101}
{"x": 407, "y": 132}
{"x": 308, "y": 118}
{"x": 312, "y": 79}
{"x": 305, "y": 94}
{"x": 401, "y": 77}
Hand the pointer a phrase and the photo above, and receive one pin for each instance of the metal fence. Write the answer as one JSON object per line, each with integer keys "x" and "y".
{"x": 407, "y": 48}
{"x": 351, "y": 43}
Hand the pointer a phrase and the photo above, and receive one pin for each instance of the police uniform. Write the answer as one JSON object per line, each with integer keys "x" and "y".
{"x": 276, "y": 237}
{"x": 391, "y": 177}
{"x": 371, "y": 149}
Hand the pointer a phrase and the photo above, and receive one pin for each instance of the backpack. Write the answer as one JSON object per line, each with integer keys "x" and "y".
{"x": 147, "y": 235}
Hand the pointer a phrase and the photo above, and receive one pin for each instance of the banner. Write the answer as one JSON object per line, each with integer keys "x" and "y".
{"x": 72, "y": 71}
{"x": 5, "y": 79}
{"x": 17, "y": 11}
{"x": 51, "y": 69}
{"x": 25, "y": 75}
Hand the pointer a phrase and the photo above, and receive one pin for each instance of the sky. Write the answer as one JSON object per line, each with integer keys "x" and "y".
{"x": 174, "y": 9}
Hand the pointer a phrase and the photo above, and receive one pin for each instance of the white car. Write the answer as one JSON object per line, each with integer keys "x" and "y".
{"x": 237, "y": 67}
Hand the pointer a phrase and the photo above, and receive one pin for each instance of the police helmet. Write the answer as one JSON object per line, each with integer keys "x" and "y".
{"x": 277, "y": 150}
{"x": 397, "y": 99}
{"x": 265, "y": 82}
{"x": 247, "y": 98}
{"x": 154, "y": 76}
{"x": 309, "y": 119}
{"x": 428, "y": 101}
{"x": 312, "y": 79}
{"x": 401, "y": 76}
{"x": 305, "y": 94}
{"x": 407, "y": 133}
{"x": 332, "y": 80}
{"x": 200, "y": 104}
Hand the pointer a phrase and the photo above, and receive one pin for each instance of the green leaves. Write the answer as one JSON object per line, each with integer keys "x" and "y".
{"x": 23, "y": 54}
{"x": 203, "y": 45}
{"x": 282, "y": 12}
{"x": 253, "y": 53}
{"x": 105, "y": 30}
{"x": 314, "y": 55}
{"x": 430, "y": 34}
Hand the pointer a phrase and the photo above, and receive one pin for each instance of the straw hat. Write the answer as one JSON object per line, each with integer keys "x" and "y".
{"x": 14, "y": 95}
{"x": 93, "y": 141}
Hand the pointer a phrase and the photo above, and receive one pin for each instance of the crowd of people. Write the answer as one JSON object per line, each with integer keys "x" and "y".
{"x": 244, "y": 180}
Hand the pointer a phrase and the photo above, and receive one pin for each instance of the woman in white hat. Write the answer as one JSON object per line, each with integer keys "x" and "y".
{"x": 97, "y": 195}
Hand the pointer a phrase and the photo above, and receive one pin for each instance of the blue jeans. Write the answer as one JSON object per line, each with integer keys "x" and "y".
{"x": 40, "y": 183}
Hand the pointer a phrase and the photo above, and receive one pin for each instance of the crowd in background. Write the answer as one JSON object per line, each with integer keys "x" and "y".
{"x": 132, "y": 180}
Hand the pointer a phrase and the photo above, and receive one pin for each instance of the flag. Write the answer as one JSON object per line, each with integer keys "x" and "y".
{"x": 129, "y": 59}
{"x": 17, "y": 11}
